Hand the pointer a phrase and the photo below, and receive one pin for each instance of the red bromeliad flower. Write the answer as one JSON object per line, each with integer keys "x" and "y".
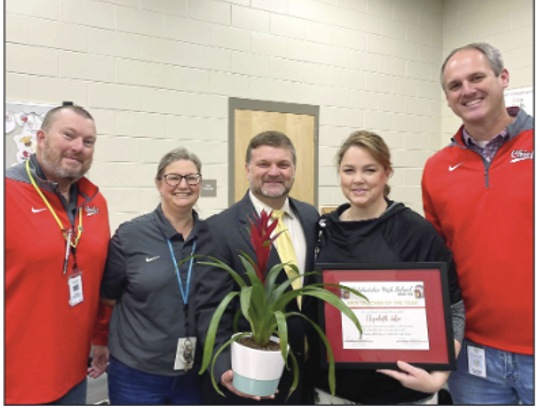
{"x": 262, "y": 243}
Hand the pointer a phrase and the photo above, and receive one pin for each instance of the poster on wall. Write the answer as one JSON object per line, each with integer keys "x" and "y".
{"x": 22, "y": 121}
{"x": 522, "y": 98}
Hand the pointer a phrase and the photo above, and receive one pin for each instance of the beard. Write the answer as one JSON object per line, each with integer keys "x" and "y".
{"x": 258, "y": 188}
{"x": 51, "y": 162}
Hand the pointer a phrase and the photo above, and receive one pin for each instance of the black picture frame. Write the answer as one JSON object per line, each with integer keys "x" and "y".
{"x": 440, "y": 356}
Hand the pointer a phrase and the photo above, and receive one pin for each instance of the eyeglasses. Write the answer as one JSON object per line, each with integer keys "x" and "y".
{"x": 174, "y": 180}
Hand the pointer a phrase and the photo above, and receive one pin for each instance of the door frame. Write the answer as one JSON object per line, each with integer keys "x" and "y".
{"x": 278, "y": 107}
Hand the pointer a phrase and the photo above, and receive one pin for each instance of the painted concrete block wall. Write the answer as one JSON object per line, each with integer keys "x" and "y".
{"x": 508, "y": 25}
{"x": 156, "y": 74}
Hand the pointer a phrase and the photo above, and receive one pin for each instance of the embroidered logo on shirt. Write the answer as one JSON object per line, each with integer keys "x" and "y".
{"x": 520, "y": 155}
{"x": 450, "y": 168}
{"x": 91, "y": 210}
{"x": 38, "y": 210}
{"x": 149, "y": 259}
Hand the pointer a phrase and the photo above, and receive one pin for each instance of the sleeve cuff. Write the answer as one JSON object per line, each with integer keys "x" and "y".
{"x": 101, "y": 327}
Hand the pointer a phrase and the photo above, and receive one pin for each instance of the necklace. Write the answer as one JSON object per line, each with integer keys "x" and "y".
{"x": 347, "y": 215}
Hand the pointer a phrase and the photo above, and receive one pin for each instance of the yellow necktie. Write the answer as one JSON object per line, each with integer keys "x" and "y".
{"x": 286, "y": 251}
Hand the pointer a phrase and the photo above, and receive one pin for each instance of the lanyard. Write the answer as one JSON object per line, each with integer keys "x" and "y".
{"x": 185, "y": 295}
{"x": 67, "y": 235}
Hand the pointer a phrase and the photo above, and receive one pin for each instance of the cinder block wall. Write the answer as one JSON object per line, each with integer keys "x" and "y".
{"x": 156, "y": 74}
{"x": 508, "y": 25}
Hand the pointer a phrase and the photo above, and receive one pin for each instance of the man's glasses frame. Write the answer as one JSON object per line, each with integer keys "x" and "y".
{"x": 191, "y": 179}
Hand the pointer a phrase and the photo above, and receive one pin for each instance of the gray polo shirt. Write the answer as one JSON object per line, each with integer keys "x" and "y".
{"x": 148, "y": 318}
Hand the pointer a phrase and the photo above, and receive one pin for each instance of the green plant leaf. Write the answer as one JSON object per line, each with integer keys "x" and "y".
{"x": 263, "y": 317}
{"x": 352, "y": 290}
{"x": 221, "y": 349}
{"x": 236, "y": 319}
{"x": 248, "y": 263}
{"x": 333, "y": 300}
{"x": 245, "y": 256}
{"x": 331, "y": 364}
{"x": 271, "y": 280}
{"x": 218, "y": 263}
{"x": 294, "y": 268}
{"x": 254, "y": 280}
{"x": 245, "y": 304}
{"x": 212, "y": 329}
{"x": 282, "y": 334}
{"x": 250, "y": 271}
{"x": 294, "y": 384}
{"x": 193, "y": 256}
{"x": 278, "y": 292}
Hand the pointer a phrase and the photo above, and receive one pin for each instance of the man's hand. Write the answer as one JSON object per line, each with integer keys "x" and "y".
{"x": 416, "y": 378}
{"x": 227, "y": 381}
{"x": 99, "y": 361}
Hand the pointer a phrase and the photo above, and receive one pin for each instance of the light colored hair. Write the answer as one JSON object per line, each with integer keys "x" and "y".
{"x": 374, "y": 144}
{"x": 177, "y": 154}
{"x": 493, "y": 55}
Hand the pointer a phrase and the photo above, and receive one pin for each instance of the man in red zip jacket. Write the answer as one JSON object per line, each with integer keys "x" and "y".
{"x": 478, "y": 193}
{"x": 57, "y": 233}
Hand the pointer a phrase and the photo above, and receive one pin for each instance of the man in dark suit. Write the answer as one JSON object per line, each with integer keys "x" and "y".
{"x": 270, "y": 168}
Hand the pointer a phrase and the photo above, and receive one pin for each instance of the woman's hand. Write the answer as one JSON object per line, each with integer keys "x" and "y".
{"x": 419, "y": 379}
{"x": 416, "y": 378}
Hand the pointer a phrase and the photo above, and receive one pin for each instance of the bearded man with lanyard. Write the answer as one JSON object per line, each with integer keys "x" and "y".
{"x": 57, "y": 231}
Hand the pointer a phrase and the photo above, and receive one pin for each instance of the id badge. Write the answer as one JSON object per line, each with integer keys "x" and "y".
{"x": 75, "y": 289}
{"x": 477, "y": 361}
{"x": 185, "y": 353}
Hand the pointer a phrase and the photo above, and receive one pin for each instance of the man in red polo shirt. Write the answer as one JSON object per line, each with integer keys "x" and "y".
{"x": 57, "y": 233}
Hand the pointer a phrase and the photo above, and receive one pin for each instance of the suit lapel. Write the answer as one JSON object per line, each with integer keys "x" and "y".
{"x": 247, "y": 211}
{"x": 308, "y": 230}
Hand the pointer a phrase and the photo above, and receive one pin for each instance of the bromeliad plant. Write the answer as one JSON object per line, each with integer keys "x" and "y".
{"x": 263, "y": 302}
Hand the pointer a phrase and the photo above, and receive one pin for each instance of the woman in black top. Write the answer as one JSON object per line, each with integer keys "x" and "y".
{"x": 154, "y": 352}
{"x": 372, "y": 228}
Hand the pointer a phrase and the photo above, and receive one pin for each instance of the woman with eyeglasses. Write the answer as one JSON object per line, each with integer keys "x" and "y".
{"x": 154, "y": 352}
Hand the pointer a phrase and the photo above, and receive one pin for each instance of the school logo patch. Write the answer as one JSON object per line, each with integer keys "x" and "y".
{"x": 91, "y": 210}
{"x": 520, "y": 155}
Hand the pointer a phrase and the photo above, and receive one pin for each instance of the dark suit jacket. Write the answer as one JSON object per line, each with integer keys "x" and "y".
{"x": 229, "y": 235}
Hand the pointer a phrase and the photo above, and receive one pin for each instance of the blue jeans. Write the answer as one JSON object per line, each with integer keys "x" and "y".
{"x": 131, "y": 386}
{"x": 509, "y": 378}
{"x": 75, "y": 396}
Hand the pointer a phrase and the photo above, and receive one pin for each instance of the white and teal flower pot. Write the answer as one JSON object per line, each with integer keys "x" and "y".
{"x": 256, "y": 372}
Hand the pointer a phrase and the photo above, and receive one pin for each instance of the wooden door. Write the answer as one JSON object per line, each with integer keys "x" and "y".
{"x": 300, "y": 128}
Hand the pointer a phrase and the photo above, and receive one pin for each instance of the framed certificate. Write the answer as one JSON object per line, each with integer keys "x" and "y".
{"x": 406, "y": 316}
